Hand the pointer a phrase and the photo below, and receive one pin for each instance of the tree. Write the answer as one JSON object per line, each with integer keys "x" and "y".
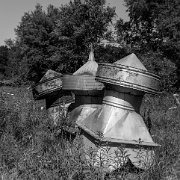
{"x": 141, "y": 32}
{"x": 36, "y": 41}
{"x": 3, "y": 59}
{"x": 153, "y": 28}
{"x": 169, "y": 28}
{"x": 58, "y": 38}
{"x": 81, "y": 24}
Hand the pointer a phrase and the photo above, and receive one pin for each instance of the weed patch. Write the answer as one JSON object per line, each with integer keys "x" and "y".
{"x": 32, "y": 148}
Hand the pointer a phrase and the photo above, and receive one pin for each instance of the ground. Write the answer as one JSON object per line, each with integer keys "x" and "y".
{"x": 31, "y": 148}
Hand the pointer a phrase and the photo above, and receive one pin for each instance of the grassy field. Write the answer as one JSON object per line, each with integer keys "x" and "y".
{"x": 32, "y": 148}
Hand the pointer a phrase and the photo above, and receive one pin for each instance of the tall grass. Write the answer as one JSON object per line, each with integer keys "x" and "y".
{"x": 32, "y": 148}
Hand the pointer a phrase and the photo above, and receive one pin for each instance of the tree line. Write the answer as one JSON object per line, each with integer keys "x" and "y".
{"x": 59, "y": 38}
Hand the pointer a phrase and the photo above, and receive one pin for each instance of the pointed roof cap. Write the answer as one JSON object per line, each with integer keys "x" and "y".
{"x": 84, "y": 78}
{"x": 131, "y": 61}
{"x": 128, "y": 72}
{"x": 90, "y": 67}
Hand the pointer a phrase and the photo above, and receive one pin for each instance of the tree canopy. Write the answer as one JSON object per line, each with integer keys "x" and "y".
{"x": 58, "y": 38}
{"x": 3, "y": 59}
{"x": 154, "y": 28}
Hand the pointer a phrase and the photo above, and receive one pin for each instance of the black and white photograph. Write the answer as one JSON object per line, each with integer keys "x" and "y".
{"x": 89, "y": 89}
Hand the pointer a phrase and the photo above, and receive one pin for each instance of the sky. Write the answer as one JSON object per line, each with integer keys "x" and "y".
{"x": 11, "y": 12}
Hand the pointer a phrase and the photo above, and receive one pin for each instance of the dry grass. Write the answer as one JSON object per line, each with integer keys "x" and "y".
{"x": 32, "y": 148}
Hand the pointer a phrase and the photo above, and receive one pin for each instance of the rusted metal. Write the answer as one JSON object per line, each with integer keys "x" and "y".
{"x": 117, "y": 122}
{"x": 50, "y": 82}
{"x": 57, "y": 101}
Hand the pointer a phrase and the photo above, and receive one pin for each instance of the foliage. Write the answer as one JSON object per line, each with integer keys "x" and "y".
{"x": 158, "y": 64}
{"x": 31, "y": 147}
{"x": 169, "y": 27}
{"x": 109, "y": 54}
{"x": 35, "y": 41}
{"x": 151, "y": 24}
{"x": 58, "y": 38}
{"x": 80, "y": 25}
{"x": 3, "y": 59}
{"x": 153, "y": 28}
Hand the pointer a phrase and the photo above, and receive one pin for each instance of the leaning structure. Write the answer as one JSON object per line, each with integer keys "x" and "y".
{"x": 49, "y": 89}
{"x": 106, "y": 109}
{"x": 117, "y": 121}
